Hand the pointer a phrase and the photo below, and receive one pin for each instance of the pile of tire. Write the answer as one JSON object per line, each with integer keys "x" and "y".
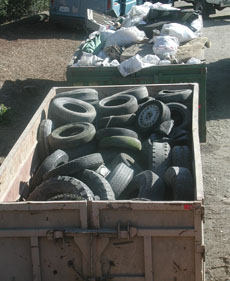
{"x": 127, "y": 146}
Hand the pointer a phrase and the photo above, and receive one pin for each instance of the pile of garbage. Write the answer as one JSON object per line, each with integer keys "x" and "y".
{"x": 150, "y": 35}
{"x": 126, "y": 146}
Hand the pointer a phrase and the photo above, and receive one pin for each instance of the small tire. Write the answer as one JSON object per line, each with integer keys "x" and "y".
{"x": 119, "y": 178}
{"x": 150, "y": 115}
{"x": 181, "y": 96}
{"x": 60, "y": 185}
{"x": 180, "y": 181}
{"x": 89, "y": 95}
{"x": 117, "y": 105}
{"x": 110, "y": 132}
{"x": 71, "y": 135}
{"x": 180, "y": 114}
{"x": 69, "y": 110}
{"x": 51, "y": 162}
{"x": 151, "y": 186}
{"x": 44, "y": 130}
{"x": 98, "y": 184}
{"x": 81, "y": 150}
{"x": 72, "y": 168}
{"x": 140, "y": 93}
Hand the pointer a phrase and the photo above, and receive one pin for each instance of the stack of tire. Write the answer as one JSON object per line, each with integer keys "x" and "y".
{"x": 127, "y": 146}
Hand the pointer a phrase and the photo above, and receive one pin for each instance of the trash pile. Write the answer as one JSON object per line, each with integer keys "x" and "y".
{"x": 150, "y": 35}
{"x": 126, "y": 146}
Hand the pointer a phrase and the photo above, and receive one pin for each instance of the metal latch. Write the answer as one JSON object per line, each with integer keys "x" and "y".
{"x": 55, "y": 234}
{"x": 129, "y": 232}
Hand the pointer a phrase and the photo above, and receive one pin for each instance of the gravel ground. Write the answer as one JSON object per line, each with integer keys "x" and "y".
{"x": 33, "y": 58}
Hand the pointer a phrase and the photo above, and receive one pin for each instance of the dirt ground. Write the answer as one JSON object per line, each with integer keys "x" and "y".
{"x": 33, "y": 58}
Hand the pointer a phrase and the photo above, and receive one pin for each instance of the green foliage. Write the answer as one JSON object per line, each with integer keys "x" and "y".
{"x": 15, "y": 9}
{"x": 4, "y": 113}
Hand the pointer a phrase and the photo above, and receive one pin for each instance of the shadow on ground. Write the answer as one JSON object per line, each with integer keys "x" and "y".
{"x": 23, "y": 97}
{"x": 39, "y": 27}
{"x": 218, "y": 94}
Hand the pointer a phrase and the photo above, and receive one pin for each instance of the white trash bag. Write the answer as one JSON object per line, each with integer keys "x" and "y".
{"x": 165, "y": 46}
{"x": 125, "y": 37}
{"x": 137, "y": 63}
{"x": 180, "y": 31}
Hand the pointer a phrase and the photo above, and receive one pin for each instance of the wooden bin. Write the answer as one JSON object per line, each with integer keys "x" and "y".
{"x": 97, "y": 240}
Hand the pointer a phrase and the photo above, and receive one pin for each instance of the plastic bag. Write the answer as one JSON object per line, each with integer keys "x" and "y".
{"x": 88, "y": 60}
{"x": 197, "y": 26}
{"x": 180, "y": 31}
{"x": 125, "y": 37}
{"x": 164, "y": 62}
{"x": 165, "y": 46}
{"x": 193, "y": 61}
{"x": 137, "y": 63}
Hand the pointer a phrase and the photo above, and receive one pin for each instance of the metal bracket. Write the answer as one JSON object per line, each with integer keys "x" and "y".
{"x": 130, "y": 232}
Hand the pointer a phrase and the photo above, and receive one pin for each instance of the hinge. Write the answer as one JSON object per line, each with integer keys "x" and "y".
{"x": 201, "y": 249}
{"x": 200, "y": 211}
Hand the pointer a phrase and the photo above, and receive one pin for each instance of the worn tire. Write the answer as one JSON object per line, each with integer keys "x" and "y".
{"x": 182, "y": 157}
{"x": 66, "y": 197}
{"x": 51, "y": 162}
{"x": 44, "y": 130}
{"x": 165, "y": 128}
{"x": 182, "y": 96}
{"x": 180, "y": 181}
{"x": 139, "y": 93}
{"x": 98, "y": 184}
{"x": 123, "y": 121}
{"x": 68, "y": 110}
{"x": 115, "y": 131}
{"x": 60, "y": 185}
{"x": 121, "y": 142}
{"x": 150, "y": 115}
{"x": 89, "y": 95}
{"x": 159, "y": 158}
{"x": 151, "y": 186}
{"x": 119, "y": 178}
{"x": 180, "y": 114}
{"x": 91, "y": 161}
{"x": 127, "y": 160}
{"x": 117, "y": 105}
{"x": 71, "y": 135}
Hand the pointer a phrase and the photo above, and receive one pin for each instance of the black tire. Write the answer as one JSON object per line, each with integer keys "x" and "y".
{"x": 182, "y": 96}
{"x": 71, "y": 135}
{"x": 182, "y": 157}
{"x": 150, "y": 115}
{"x": 123, "y": 121}
{"x": 44, "y": 130}
{"x": 203, "y": 8}
{"x": 127, "y": 160}
{"x": 121, "y": 142}
{"x": 98, "y": 184}
{"x": 181, "y": 115}
{"x": 151, "y": 186}
{"x": 160, "y": 158}
{"x": 81, "y": 150}
{"x": 68, "y": 110}
{"x": 117, "y": 105}
{"x": 180, "y": 181}
{"x": 60, "y": 185}
{"x": 89, "y": 95}
{"x": 143, "y": 101}
{"x": 109, "y": 132}
{"x": 180, "y": 138}
{"x": 66, "y": 197}
{"x": 51, "y": 162}
{"x": 139, "y": 93}
{"x": 72, "y": 168}
{"x": 119, "y": 178}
